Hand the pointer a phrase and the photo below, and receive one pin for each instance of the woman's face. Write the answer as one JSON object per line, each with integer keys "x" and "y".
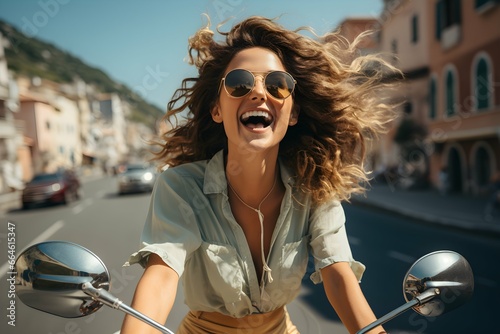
{"x": 273, "y": 116}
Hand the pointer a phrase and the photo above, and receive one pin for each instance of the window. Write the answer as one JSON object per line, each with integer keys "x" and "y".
{"x": 482, "y": 90}
{"x": 414, "y": 29}
{"x": 484, "y": 5}
{"x": 448, "y": 13}
{"x": 394, "y": 50}
{"x": 432, "y": 99}
{"x": 408, "y": 108}
{"x": 450, "y": 93}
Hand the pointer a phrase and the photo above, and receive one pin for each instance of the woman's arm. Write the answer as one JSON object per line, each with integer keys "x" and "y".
{"x": 154, "y": 296}
{"x": 345, "y": 296}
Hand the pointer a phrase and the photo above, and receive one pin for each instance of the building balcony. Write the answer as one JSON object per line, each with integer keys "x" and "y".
{"x": 466, "y": 126}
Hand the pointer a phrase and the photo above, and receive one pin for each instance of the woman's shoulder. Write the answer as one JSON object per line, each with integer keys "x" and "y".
{"x": 190, "y": 170}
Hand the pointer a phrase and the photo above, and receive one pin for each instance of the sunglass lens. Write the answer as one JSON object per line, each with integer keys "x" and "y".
{"x": 279, "y": 84}
{"x": 238, "y": 82}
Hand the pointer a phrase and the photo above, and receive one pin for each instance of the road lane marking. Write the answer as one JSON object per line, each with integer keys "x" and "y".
{"x": 79, "y": 208}
{"x": 485, "y": 281}
{"x": 401, "y": 257}
{"x": 42, "y": 237}
{"x": 355, "y": 241}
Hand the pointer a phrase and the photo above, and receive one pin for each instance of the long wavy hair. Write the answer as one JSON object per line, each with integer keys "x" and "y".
{"x": 337, "y": 90}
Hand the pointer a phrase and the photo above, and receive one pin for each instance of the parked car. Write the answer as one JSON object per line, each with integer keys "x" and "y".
{"x": 136, "y": 178}
{"x": 61, "y": 187}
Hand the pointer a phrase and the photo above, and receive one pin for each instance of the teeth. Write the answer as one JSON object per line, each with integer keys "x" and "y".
{"x": 249, "y": 114}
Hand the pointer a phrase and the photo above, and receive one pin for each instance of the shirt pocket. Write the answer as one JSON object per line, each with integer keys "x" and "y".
{"x": 294, "y": 259}
{"x": 225, "y": 273}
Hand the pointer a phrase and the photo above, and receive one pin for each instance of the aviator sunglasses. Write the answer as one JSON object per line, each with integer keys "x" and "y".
{"x": 240, "y": 82}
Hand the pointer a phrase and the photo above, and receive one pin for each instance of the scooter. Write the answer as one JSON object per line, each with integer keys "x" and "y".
{"x": 68, "y": 280}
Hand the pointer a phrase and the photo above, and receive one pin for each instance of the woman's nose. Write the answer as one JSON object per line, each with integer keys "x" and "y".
{"x": 258, "y": 90}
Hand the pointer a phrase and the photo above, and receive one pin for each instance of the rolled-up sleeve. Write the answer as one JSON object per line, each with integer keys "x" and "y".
{"x": 329, "y": 243}
{"x": 171, "y": 229}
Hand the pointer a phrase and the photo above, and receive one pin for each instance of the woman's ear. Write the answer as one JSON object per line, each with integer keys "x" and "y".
{"x": 294, "y": 115}
{"x": 216, "y": 115}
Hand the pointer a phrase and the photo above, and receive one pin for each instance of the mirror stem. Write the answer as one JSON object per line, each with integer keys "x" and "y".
{"x": 424, "y": 297}
{"x": 108, "y": 299}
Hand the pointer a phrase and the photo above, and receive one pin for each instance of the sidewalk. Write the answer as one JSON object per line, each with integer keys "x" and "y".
{"x": 463, "y": 212}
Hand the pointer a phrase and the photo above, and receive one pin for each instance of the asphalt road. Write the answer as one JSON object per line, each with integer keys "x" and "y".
{"x": 110, "y": 226}
{"x": 388, "y": 245}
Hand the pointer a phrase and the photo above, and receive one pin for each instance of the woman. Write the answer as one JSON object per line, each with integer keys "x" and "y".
{"x": 274, "y": 141}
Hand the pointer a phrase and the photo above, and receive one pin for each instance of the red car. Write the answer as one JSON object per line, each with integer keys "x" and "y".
{"x": 61, "y": 187}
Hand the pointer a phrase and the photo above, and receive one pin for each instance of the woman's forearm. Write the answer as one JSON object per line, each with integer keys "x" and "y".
{"x": 345, "y": 296}
{"x": 154, "y": 296}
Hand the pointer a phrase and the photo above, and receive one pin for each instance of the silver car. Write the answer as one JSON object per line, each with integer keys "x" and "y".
{"x": 136, "y": 178}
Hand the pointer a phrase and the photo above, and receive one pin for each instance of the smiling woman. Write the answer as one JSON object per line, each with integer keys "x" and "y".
{"x": 274, "y": 140}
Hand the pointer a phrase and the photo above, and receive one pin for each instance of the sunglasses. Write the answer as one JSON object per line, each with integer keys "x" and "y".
{"x": 240, "y": 82}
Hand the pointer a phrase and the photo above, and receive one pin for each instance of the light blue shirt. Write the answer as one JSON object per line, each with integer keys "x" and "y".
{"x": 190, "y": 225}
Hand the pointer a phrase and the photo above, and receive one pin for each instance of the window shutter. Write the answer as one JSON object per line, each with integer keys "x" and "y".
{"x": 439, "y": 18}
{"x": 457, "y": 11}
{"x": 414, "y": 29}
{"x": 432, "y": 99}
{"x": 482, "y": 85}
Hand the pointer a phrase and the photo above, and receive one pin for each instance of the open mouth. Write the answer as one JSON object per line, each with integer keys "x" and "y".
{"x": 256, "y": 119}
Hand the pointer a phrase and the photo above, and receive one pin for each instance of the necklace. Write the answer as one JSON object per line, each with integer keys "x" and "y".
{"x": 261, "y": 220}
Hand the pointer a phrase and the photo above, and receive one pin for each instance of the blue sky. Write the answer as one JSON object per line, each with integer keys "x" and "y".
{"x": 144, "y": 43}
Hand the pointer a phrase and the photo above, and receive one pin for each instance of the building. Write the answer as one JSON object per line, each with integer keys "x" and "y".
{"x": 113, "y": 130}
{"x": 352, "y": 27}
{"x": 464, "y": 96}
{"x": 449, "y": 51}
{"x": 11, "y": 140}
{"x": 51, "y": 124}
{"x": 404, "y": 39}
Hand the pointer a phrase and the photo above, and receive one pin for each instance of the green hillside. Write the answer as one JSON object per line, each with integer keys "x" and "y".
{"x": 33, "y": 57}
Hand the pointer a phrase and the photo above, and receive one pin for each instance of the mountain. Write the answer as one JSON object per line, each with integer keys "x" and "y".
{"x": 33, "y": 57}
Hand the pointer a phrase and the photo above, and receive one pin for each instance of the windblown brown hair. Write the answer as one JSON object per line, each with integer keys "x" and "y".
{"x": 337, "y": 92}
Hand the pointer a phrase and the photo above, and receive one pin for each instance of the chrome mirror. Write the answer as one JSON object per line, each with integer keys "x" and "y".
{"x": 68, "y": 280}
{"x": 50, "y": 276}
{"x": 435, "y": 284}
{"x": 448, "y": 274}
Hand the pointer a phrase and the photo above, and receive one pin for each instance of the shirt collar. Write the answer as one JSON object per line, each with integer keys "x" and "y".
{"x": 215, "y": 176}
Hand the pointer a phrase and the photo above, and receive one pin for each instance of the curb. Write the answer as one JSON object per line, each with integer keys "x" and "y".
{"x": 421, "y": 217}
{"x": 10, "y": 201}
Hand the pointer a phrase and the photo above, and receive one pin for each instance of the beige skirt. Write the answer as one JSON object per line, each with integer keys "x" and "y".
{"x": 275, "y": 322}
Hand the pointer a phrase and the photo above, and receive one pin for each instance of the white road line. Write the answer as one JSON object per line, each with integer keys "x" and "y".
{"x": 355, "y": 241}
{"x": 79, "y": 208}
{"x": 42, "y": 237}
{"x": 401, "y": 257}
{"x": 485, "y": 281}
{"x": 48, "y": 232}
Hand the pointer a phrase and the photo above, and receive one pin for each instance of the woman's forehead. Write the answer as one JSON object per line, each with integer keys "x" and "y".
{"x": 256, "y": 59}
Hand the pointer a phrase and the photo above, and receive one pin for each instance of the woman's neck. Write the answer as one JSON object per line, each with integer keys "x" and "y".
{"x": 252, "y": 175}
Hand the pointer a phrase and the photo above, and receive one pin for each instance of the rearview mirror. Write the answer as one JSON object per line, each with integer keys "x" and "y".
{"x": 435, "y": 284}
{"x": 50, "y": 276}
{"x": 446, "y": 271}
{"x": 68, "y": 280}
